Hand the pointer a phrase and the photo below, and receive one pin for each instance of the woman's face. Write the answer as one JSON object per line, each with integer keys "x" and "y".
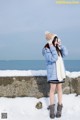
{"x": 56, "y": 42}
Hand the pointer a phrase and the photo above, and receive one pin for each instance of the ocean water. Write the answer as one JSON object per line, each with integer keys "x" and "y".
{"x": 70, "y": 65}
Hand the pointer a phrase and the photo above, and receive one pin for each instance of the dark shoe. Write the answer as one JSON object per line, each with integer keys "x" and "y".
{"x": 52, "y": 111}
{"x": 59, "y": 110}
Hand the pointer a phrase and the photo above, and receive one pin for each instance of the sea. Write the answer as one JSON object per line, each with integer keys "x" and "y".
{"x": 70, "y": 65}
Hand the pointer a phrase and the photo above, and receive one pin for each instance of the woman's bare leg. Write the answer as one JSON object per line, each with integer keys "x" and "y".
{"x": 59, "y": 91}
{"x": 59, "y": 105}
{"x": 52, "y": 92}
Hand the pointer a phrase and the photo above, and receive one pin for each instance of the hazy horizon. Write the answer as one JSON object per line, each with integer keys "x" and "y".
{"x": 23, "y": 23}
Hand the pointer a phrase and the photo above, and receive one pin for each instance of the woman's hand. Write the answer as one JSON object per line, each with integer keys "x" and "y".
{"x": 59, "y": 42}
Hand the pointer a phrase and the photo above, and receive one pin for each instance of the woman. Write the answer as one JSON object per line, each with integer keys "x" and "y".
{"x": 53, "y": 52}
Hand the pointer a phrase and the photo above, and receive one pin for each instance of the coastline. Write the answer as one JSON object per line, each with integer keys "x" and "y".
{"x": 15, "y": 73}
{"x": 32, "y": 83}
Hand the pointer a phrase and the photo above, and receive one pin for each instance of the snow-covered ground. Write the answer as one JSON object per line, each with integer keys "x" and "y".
{"x": 6, "y": 73}
{"x": 24, "y": 108}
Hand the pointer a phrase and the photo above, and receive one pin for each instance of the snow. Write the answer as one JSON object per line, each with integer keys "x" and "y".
{"x": 24, "y": 108}
{"x": 8, "y": 73}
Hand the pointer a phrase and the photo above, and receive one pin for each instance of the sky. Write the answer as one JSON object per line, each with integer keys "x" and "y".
{"x": 24, "y": 22}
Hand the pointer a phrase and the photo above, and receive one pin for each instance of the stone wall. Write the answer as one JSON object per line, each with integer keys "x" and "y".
{"x": 35, "y": 86}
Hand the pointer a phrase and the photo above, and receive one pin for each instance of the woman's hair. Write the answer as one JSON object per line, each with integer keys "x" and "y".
{"x": 53, "y": 42}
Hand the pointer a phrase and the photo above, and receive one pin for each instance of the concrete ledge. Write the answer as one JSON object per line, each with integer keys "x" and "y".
{"x": 36, "y": 86}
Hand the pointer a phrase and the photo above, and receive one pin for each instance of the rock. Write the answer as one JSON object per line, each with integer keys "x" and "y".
{"x": 39, "y": 105}
{"x": 66, "y": 86}
{"x": 75, "y": 84}
{"x": 34, "y": 86}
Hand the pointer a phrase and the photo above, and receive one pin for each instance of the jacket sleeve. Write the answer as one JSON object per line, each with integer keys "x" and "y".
{"x": 64, "y": 51}
{"x": 50, "y": 54}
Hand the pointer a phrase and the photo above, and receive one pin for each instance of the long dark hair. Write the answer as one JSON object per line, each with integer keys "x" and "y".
{"x": 53, "y": 42}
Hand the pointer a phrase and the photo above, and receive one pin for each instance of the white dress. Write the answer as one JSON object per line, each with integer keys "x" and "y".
{"x": 61, "y": 74}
